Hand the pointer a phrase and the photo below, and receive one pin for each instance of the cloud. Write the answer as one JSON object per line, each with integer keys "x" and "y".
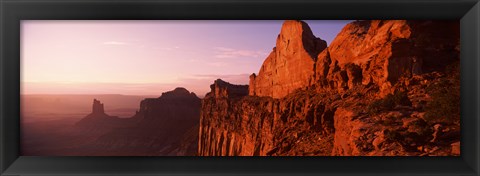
{"x": 233, "y": 78}
{"x": 168, "y": 48}
{"x": 223, "y": 49}
{"x": 192, "y": 60}
{"x": 115, "y": 43}
{"x": 218, "y": 76}
{"x": 218, "y": 64}
{"x": 199, "y": 84}
{"x": 223, "y": 52}
{"x": 96, "y": 88}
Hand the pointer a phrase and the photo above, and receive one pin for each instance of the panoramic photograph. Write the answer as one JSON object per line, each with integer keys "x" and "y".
{"x": 240, "y": 88}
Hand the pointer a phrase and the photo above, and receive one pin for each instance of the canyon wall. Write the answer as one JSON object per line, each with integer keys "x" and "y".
{"x": 380, "y": 52}
{"x": 291, "y": 63}
{"x": 248, "y": 126}
{"x": 375, "y": 91}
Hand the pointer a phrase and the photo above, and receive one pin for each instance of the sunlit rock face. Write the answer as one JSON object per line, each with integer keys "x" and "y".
{"x": 222, "y": 89}
{"x": 380, "y": 52}
{"x": 251, "y": 126}
{"x": 291, "y": 63}
{"x": 373, "y": 92}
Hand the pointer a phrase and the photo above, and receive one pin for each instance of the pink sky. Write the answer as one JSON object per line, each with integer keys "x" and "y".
{"x": 145, "y": 57}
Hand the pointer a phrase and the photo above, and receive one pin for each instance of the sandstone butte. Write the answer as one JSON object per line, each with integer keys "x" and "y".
{"x": 99, "y": 121}
{"x": 163, "y": 126}
{"x": 379, "y": 89}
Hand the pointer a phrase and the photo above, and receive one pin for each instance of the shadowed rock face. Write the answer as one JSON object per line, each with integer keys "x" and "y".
{"x": 291, "y": 63}
{"x": 98, "y": 121}
{"x": 179, "y": 93}
{"x": 178, "y": 104}
{"x": 167, "y": 125}
{"x": 375, "y": 91}
{"x": 97, "y": 107}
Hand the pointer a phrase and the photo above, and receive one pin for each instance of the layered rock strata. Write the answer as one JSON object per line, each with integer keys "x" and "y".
{"x": 380, "y": 89}
{"x": 380, "y": 52}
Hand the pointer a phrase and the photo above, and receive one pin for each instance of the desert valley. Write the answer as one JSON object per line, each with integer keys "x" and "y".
{"x": 380, "y": 88}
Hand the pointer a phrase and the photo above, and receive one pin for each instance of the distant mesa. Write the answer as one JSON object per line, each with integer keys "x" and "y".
{"x": 178, "y": 92}
{"x": 167, "y": 125}
{"x": 179, "y": 99}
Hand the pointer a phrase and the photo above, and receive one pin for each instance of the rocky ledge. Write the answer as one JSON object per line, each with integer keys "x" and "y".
{"x": 381, "y": 88}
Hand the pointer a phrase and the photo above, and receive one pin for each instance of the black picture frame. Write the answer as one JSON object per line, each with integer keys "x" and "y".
{"x": 13, "y": 11}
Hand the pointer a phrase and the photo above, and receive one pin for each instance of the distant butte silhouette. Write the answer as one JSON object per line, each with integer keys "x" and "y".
{"x": 167, "y": 125}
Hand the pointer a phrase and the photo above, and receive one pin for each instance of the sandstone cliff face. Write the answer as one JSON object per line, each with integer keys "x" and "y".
{"x": 222, "y": 89}
{"x": 382, "y": 88}
{"x": 291, "y": 63}
{"x": 310, "y": 123}
{"x": 252, "y": 126}
{"x": 380, "y": 52}
{"x": 403, "y": 123}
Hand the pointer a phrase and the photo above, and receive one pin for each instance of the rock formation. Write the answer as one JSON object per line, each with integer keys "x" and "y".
{"x": 97, "y": 107}
{"x": 222, "y": 89}
{"x": 248, "y": 126}
{"x": 382, "y": 51}
{"x": 291, "y": 63}
{"x": 98, "y": 121}
{"x": 178, "y": 104}
{"x": 381, "y": 88}
{"x": 163, "y": 126}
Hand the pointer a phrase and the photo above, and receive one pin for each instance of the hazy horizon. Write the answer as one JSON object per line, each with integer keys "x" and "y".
{"x": 110, "y": 88}
{"x": 100, "y": 94}
{"x": 146, "y": 57}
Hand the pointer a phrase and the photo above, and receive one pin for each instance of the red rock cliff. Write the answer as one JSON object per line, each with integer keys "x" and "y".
{"x": 382, "y": 51}
{"x": 291, "y": 63}
{"x": 382, "y": 88}
{"x": 252, "y": 126}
